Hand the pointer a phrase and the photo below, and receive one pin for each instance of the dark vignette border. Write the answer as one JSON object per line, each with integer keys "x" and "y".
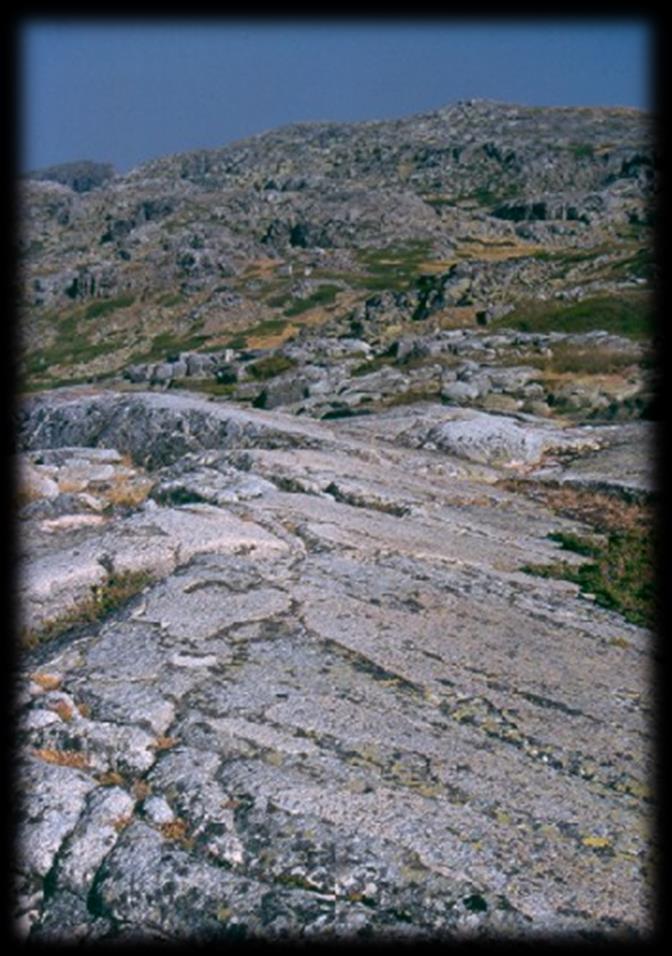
{"x": 10, "y": 64}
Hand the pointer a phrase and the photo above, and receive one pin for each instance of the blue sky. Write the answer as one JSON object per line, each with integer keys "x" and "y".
{"x": 126, "y": 91}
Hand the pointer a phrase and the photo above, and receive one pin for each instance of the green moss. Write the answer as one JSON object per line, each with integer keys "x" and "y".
{"x": 271, "y": 366}
{"x": 103, "y": 599}
{"x": 583, "y": 151}
{"x": 572, "y": 542}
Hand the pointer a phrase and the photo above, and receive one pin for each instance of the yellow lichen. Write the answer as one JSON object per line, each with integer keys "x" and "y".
{"x": 596, "y": 842}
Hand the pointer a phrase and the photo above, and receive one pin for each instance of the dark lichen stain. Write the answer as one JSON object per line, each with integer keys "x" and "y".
{"x": 475, "y": 903}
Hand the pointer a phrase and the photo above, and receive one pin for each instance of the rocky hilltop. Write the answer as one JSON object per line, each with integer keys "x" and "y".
{"x": 335, "y": 488}
{"x": 478, "y": 214}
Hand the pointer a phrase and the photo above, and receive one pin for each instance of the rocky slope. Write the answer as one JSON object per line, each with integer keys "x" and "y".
{"x": 478, "y": 213}
{"x": 333, "y": 580}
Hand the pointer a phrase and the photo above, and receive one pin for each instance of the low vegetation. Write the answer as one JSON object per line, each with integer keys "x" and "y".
{"x": 627, "y": 315}
{"x": 571, "y": 358}
{"x": 323, "y": 295}
{"x": 622, "y": 545}
{"x": 270, "y": 366}
{"x": 106, "y": 306}
{"x": 373, "y": 365}
{"x": 70, "y": 347}
{"x": 394, "y": 268}
{"x": 266, "y": 329}
{"x": 169, "y": 343}
{"x": 104, "y": 598}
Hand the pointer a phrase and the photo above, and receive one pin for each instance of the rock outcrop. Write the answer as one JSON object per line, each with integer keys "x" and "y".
{"x": 335, "y": 473}
{"x": 335, "y": 707}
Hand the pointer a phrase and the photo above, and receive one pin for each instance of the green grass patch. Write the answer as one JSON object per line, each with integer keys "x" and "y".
{"x": 394, "y": 267}
{"x": 641, "y": 265}
{"x": 373, "y": 365}
{"x": 171, "y": 299}
{"x": 582, "y": 151}
{"x": 567, "y": 357}
{"x": 324, "y": 295}
{"x": 270, "y": 366}
{"x": 68, "y": 349}
{"x": 237, "y": 342}
{"x": 105, "y": 306}
{"x": 579, "y": 545}
{"x": 627, "y": 315}
{"x": 268, "y": 327}
{"x": 208, "y": 386}
{"x": 621, "y": 575}
{"x": 167, "y": 343}
{"x": 413, "y": 396}
{"x": 489, "y": 196}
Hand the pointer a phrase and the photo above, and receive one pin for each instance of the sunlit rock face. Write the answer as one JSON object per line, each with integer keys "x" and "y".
{"x": 330, "y": 705}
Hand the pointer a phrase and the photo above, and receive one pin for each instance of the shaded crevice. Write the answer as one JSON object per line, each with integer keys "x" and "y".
{"x": 371, "y": 504}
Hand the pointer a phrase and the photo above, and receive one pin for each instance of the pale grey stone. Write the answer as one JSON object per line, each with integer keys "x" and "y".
{"x": 52, "y": 802}
{"x": 343, "y": 706}
{"x": 108, "y": 811}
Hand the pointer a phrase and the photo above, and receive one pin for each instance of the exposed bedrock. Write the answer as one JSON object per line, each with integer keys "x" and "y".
{"x": 334, "y": 707}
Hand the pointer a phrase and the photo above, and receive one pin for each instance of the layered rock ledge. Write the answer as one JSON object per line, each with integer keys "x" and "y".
{"x": 335, "y": 707}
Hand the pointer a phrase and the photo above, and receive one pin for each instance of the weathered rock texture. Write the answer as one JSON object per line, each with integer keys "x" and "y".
{"x": 285, "y": 675}
{"x": 338, "y": 709}
{"x": 450, "y": 217}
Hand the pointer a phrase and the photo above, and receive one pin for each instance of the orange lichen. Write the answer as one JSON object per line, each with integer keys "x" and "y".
{"x": 110, "y": 779}
{"x": 141, "y": 789}
{"x": 164, "y": 743}
{"x": 63, "y": 758}
{"x": 63, "y": 709}
{"x": 47, "y": 681}
{"x": 120, "y": 823}
{"x": 177, "y": 830}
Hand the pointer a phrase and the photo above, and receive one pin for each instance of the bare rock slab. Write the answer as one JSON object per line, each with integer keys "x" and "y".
{"x": 339, "y": 710}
